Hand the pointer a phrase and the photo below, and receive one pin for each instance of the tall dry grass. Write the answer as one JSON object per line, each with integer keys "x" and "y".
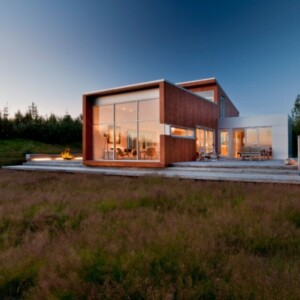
{"x": 76, "y": 236}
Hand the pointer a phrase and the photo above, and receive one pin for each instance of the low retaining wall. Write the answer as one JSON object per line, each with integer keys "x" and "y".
{"x": 40, "y": 157}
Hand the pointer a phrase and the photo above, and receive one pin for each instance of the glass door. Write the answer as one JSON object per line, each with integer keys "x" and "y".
{"x": 238, "y": 141}
{"x": 224, "y": 143}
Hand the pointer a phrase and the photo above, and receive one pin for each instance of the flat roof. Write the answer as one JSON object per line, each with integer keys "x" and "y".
{"x": 125, "y": 88}
{"x": 199, "y": 81}
{"x": 147, "y": 84}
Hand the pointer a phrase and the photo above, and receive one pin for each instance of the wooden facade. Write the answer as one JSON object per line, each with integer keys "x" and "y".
{"x": 212, "y": 84}
{"x": 178, "y": 106}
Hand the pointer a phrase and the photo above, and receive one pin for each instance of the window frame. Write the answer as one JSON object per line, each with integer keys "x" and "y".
{"x": 186, "y": 129}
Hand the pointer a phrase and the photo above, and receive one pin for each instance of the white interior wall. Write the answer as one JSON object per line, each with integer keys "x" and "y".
{"x": 127, "y": 97}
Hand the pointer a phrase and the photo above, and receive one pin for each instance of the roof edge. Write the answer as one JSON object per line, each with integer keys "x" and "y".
{"x": 192, "y": 82}
{"x": 124, "y": 88}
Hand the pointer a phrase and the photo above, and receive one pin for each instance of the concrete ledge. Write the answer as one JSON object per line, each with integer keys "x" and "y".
{"x": 49, "y": 157}
{"x": 238, "y": 164}
{"x": 181, "y": 172}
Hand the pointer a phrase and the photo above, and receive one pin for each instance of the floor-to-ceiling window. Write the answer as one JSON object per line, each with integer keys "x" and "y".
{"x": 127, "y": 131}
{"x": 224, "y": 143}
{"x": 238, "y": 141}
{"x": 205, "y": 140}
{"x": 149, "y": 129}
{"x": 103, "y": 131}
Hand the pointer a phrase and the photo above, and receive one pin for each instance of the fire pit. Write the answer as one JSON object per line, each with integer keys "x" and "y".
{"x": 67, "y": 154}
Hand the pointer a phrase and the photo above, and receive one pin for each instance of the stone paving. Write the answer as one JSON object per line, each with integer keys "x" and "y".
{"x": 248, "y": 171}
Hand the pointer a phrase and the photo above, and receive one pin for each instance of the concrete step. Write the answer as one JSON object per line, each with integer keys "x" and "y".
{"x": 186, "y": 173}
{"x": 226, "y": 164}
{"x": 237, "y": 170}
{"x": 232, "y": 167}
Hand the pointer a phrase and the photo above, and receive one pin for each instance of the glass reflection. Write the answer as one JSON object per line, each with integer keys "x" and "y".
{"x": 127, "y": 131}
{"x": 148, "y": 110}
{"x": 126, "y": 141}
{"x": 125, "y": 112}
{"x": 265, "y": 136}
{"x": 149, "y": 135}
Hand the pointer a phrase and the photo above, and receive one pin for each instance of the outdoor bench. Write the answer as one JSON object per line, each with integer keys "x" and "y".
{"x": 250, "y": 153}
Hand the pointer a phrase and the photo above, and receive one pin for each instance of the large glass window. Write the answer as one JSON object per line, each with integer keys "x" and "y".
{"x": 224, "y": 142}
{"x": 260, "y": 136}
{"x": 125, "y": 140}
{"x": 126, "y": 112}
{"x": 183, "y": 132}
{"x": 127, "y": 131}
{"x": 223, "y": 107}
{"x": 148, "y": 110}
{"x": 205, "y": 140}
{"x": 103, "y": 131}
{"x": 251, "y": 137}
{"x": 265, "y": 136}
{"x": 103, "y": 114}
{"x": 208, "y": 95}
{"x": 149, "y": 135}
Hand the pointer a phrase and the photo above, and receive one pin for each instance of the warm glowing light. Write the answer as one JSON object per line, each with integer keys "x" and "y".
{"x": 67, "y": 154}
{"x": 41, "y": 159}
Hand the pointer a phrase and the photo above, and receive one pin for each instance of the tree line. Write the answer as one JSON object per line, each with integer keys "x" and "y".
{"x": 62, "y": 130}
{"x": 30, "y": 125}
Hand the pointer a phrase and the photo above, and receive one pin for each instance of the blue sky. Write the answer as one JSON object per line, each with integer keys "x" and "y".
{"x": 51, "y": 52}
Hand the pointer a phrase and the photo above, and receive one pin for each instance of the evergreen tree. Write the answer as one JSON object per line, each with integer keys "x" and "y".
{"x": 296, "y": 124}
{"x": 5, "y": 112}
{"x": 6, "y": 128}
{"x": 18, "y": 117}
{"x": 296, "y": 116}
{"x": 59, "y": 130}
{"x": 33, "y": 111}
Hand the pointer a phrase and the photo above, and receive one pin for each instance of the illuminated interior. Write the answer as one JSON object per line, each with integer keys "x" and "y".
{"x": 205, "y": 140}
{"x": 127, "y": 131}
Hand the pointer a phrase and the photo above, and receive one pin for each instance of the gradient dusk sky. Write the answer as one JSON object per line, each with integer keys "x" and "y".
{"x": 52, "y": 51}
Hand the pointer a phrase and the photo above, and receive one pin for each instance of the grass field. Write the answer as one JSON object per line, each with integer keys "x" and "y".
{"x": 79, "y": 236}
{"x": 13, "y": 151}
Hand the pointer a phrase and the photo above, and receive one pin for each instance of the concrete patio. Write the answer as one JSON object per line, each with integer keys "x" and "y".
{"x": 268, "y": 171}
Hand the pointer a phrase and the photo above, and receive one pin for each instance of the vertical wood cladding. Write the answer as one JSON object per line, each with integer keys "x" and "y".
{"x": 212, "y": 84}
{"x": 177, "y": 149}
{"x": 87, "y": 132}
{"x": 230, "y": 109}
{"x": 183, "y": 108}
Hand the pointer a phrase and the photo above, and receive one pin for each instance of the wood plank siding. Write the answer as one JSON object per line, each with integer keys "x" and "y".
{"x": 182, "y": 108}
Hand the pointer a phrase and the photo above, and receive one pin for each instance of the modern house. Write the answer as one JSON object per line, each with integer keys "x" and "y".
{"x": 157, "y": 123}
